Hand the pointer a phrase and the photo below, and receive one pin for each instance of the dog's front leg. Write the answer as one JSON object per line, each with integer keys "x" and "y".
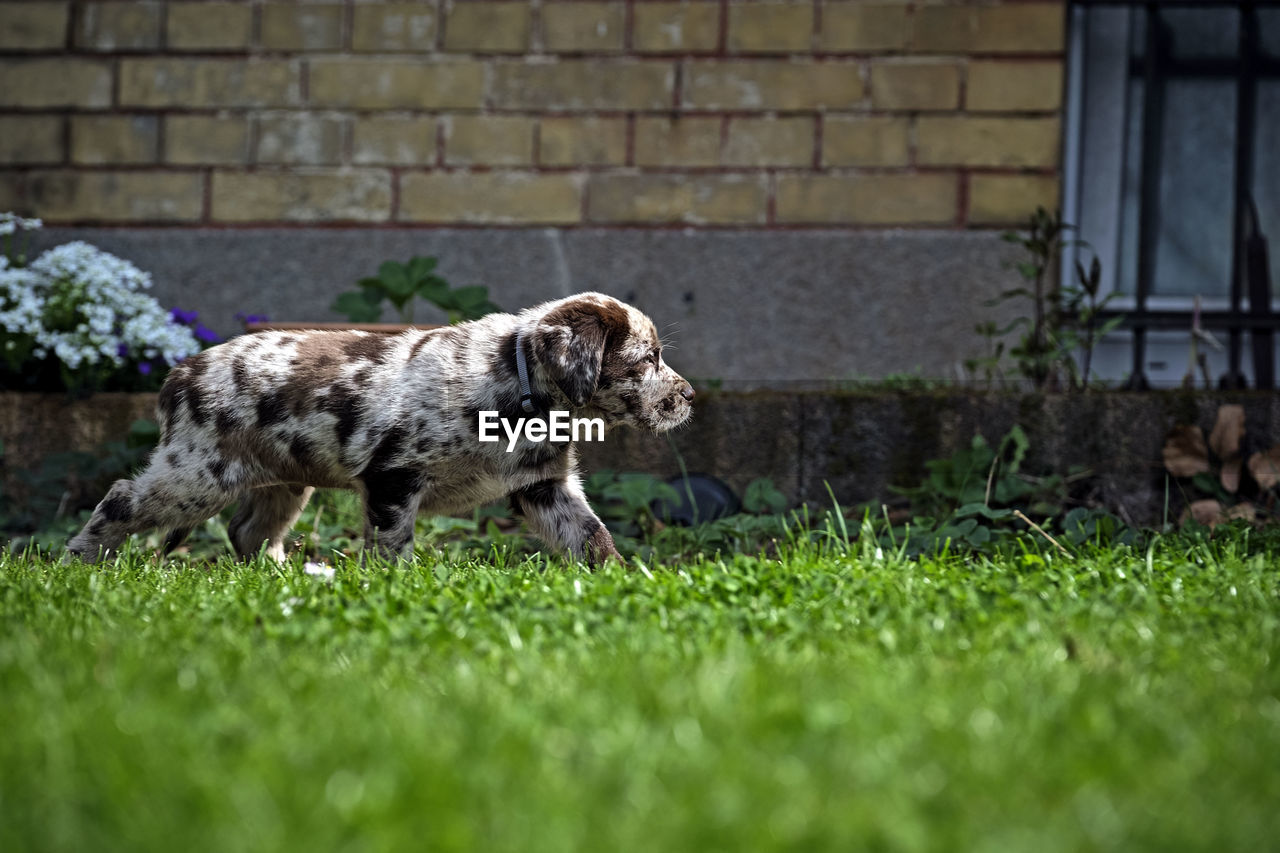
{"x": 558, "y": 513}
{"x": 391, "y": 505}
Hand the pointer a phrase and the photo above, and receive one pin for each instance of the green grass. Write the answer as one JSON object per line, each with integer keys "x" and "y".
{"x": 824, "y": 699}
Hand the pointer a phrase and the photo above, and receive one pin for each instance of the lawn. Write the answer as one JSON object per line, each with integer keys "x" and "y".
{"x": 824, "y": 697}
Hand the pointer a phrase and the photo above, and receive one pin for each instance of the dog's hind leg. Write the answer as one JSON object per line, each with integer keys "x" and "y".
{"x": 266, "y": 515}
{"x": 175, "y": 538}
{"x": 163, "y": 496}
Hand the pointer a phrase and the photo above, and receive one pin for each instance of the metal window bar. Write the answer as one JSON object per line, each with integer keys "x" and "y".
{"x": 1250, "y": 275}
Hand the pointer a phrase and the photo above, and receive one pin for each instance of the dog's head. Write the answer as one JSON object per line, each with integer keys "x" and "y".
{"x": 606, "y": 356}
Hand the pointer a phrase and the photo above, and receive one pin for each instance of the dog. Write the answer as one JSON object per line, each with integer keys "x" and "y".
{"x": 266, "y": 418}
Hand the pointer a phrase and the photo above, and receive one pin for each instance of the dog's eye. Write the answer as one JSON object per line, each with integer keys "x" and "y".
{"x": 655, "y": 357}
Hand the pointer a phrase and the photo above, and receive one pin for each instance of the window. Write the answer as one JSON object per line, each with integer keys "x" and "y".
{"x": 1172, "y": 173}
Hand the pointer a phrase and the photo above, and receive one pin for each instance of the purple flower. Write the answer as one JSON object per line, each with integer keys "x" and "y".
{"x": 186, "y": 318}
{"x": 204, "y": 333}
{"x": 252, "y": 318}
{"x": 144, "y": 368}
{"x": 122, "y": 349}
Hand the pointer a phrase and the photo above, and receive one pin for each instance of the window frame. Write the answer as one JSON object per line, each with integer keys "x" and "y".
{"x": 1249, "y": 280}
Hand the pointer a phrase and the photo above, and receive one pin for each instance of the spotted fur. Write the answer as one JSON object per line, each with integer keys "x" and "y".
{"x": 263, "y": 419}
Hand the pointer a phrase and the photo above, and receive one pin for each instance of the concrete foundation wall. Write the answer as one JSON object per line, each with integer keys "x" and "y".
{"x": 860, "y": 444}
{"x": 750, "y": 308}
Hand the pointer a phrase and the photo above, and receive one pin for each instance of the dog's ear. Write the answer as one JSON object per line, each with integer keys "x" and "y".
{"x": 571, "y": 340}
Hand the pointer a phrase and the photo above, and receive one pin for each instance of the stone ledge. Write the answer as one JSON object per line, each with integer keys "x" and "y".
{"x": 858, "y": 443}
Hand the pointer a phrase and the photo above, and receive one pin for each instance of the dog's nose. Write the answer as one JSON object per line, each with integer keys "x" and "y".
{"x": 687, "y": 391}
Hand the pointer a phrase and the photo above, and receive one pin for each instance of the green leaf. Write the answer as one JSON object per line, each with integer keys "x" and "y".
{"x": 357, "y": 307}
{"x": 472, "y": 295}
{"x": 979, "y": 536}
{"x": 1029, "y": 269}
{"x": 972, "y": 509}
{"x": 435, "y": 289}
{"x": 1110, "y": 326}
{"x": 395, "y": 280}
{"x": 762, "y": 497}
{"x": 1017, "y": 439}
{"x": 419, "y": 269}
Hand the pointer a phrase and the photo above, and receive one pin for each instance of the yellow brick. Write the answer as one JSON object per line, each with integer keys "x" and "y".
{"x": 676, "y": 27}
{"x": 208, "y": 26}
{"x": 33, "y": 26}
{"x": 305, "y": 27}
{"x": 970, "y": 141}
{"x": 772, "y": 85}
{"x": 491, "y": 198}
{"x": 299, "y": 139}
{"x": 118, "y": 26}
{"x": 61, "y": 196}
{"x": 31, "y": 139}
{"x": 99, "y": 140}
{"x": 489, "y": 140}
{"x": 571, "y": 141}
{"x": 944, "y": 29}
{"x": 347, "y": 195}
{"x": 61, "y": 82}
{"x": 578, "y": 84}
{"x": 693, "y": 199}
{"x": 770, "y": 27}
{"x": 583, "y": 27}
{"x": 1010, "y": 28}
{"x": 396, "y": 84}
{"x": 488, "y": 27}
{"x": 915, "y": 86}
{"x": 208, "y": 83}
{"x": 394, "y": 140}
{"x": 867, "y": 199}
{"x": 680, "y": 142}
{"x": 198, "y": 140}
{"x": 1009, "y": 86}
{"x": 865, "y": 141}
{"x": 863, "y": 29}
{"x": 769, "y": 142}
{"x": 394, "y": 26}
{"x": 1010, "y": 199}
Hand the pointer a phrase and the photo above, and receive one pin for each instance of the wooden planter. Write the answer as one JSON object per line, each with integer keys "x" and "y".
{"x": 384, "y": 328}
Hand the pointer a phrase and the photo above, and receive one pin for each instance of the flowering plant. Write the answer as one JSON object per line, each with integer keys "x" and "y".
{"x": 76, "y": 318}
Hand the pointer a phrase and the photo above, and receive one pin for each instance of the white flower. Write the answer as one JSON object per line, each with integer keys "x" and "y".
{"x": 11, "y": 222}
{"x": 86, "y": 307}
{"x": 320, "y": 570}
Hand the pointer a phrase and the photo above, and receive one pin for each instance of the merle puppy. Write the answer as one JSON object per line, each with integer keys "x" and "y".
{"x": 263, "y": 419}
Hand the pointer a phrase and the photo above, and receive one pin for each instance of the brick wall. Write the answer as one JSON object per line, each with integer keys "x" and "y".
{"x": 507, "y": 112}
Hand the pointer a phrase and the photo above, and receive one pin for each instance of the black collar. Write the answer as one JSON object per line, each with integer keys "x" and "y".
{"x": 522, "y": 373}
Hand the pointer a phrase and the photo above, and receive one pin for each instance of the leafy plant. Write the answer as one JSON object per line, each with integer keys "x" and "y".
{"x": 978, "y": 497}
{"x": 1081, "y": 330}
{"x": 400, "y": 284}
{"x": 1064, "y": 320}
{"x": 625, "y": 501}
{"x": 763, "y": 498}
